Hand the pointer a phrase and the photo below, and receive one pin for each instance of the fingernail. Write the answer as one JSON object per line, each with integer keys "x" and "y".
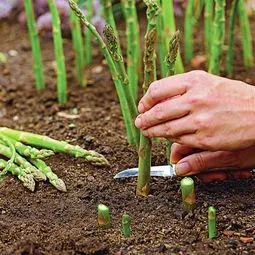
{"x": 141, "y": 107}
{"x": 138, "y": 122}
{"x": 183, "y": 168}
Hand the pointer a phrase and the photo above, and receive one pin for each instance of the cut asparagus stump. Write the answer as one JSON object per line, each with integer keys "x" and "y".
{"x": 188, "y": 193}
{"x": 126, "y": 226}
{"x": 103, "y": 216}
{"x": 212, "y": 222}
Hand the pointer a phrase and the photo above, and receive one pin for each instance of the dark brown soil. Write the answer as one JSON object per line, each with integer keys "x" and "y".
{"x": 50, "y": 222}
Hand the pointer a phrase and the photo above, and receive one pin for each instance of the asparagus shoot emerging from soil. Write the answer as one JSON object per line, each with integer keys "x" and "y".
{"x": 78, "y": 48}
{"x": 208, "y": 14}
{"x": 88, "y": 43}
{"x": 189, "y": 22}
{"x": 115, "y": 76}
{"x": 133, "y": 45}
{"x": 232, "y": 20}
{"x": 59, "y": 55}
{"x": 103, "y": 216}
{"x": 170, "y": 60}
{"x": 143, "y": 182}
{"x": 58, "y": 146}
{"x": 246, "y": 34}
{"x": 212, "y": 222}
{"x": 35, "y": 44}
{"x": 188, "y": 193}
{"x": 126, "y": 225}
{"x": 218, "y": 37}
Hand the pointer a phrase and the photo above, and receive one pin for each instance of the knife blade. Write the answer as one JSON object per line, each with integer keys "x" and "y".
{"x": 164, "y": 171}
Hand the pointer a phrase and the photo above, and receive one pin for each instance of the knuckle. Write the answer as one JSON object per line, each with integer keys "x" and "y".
{"x": 202, "y": 121}
{"x": 153, "y": 90}
{"x": 230, "y": 159}
{"x": 168, "y": 130}
{"x": 195, "y": 100}
{"x": 158, "y": 112}
{"x": 206, "y": 143}
{"x": 199, "y": 162}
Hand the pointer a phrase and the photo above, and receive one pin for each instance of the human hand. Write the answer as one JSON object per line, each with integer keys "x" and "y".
{"x": 201, "y": 110}
{"x": 191, "y": 161}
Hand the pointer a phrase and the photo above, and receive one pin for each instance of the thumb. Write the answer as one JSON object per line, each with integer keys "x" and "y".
{"x": 202, "y": 161}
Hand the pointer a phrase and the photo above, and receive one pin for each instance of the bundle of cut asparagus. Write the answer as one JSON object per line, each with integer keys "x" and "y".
{"x": 21, "y": 158}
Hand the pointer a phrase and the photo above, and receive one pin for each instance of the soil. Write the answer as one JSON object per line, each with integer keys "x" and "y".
{"x": 50, "y": 222}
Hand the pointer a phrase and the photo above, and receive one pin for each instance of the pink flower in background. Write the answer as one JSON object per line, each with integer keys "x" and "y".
{"x": 99, "y": 23}
{"x": 6, "y": 6}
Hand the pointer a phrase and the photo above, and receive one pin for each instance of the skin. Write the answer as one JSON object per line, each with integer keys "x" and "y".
{"x": 199, "y": 110}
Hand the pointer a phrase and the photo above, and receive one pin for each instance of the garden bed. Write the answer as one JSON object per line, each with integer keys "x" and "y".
{"x": 50, "y": 222}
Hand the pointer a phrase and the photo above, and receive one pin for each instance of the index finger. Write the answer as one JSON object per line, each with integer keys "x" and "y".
{"x": 161, "y": 90}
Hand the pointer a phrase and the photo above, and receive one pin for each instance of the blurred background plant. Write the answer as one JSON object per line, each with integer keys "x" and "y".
{"x": 15, "y": 8}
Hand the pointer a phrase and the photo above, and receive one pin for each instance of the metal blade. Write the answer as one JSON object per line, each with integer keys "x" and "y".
{"x": 164, "y": 171}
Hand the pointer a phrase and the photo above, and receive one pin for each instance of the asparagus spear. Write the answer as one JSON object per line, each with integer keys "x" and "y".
{"x": 114, "y": 73}
{"x": 233, "y": 14}
{"x": 189, "y": 22}
{"x": 212, "y": 222}
{"x": 22, "y": 162}
{"x": 188, "y": 193}
{"x": 23, "y": 174}
{"x": 113, "y": 46}
{"x": 103, "y": 216}
{"x": 169, "y": 28}
{"x": 36, "y": 50}
{"x": 144, "y": 165}
{"x": 60, "y": 146}
{"x": 59, "y": 55}
{"x": 218, "y": 37}
{"x": 208, "y": 27}
{"x": 78, "y": 48}
{"x": 88, "y": 46}
{"x": 246, "y": 35}
{"x": 170, "y": 60}
{"x": 133, "y": 45}
{"x": 53, "y": 178}
{"x": 30, "y": 152}
{"x": 6, "y": 141}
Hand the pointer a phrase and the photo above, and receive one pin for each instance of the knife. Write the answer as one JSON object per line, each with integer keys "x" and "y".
{"x": 162, "y": 171}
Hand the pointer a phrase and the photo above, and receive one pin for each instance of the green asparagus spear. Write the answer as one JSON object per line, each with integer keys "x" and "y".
{"x": 232, "y": 20}
{"x": 6, "y": 141}
{"x": 133, "y": 45}
{"x": 23, "y": 174}
{"x": 212, "y": 222}
{"x": 112, "y": 44}
{"x": 88, "y": 43}
{"x": 30, "y": 152}
{"x": 53, "y": 178}
{"x": 59, "y": 146}
{"x": 114, "y": 73}
{"x": 126, "y": 225}
{"x": 188, "y": 193}
{"x": 144, "y": 165}
{"x": 169, "y": 28}
{"x": 170, "y": 60}
{"x": 189, "y": 22}
{"x": 36, "y": 50}
{"x": 22, "y": 162}
{"x": 208, "y": 27}
{"x": 78, "y": 48}
{"x": 103, "y": 216}
{"x": 246, "y": 34}
{"x": 59, "y": 55}
{"x": 218, "y": 37}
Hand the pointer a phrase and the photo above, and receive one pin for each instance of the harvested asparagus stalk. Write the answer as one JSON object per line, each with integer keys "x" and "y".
{"x": 103, "y": 216}
{"x": 188, "y": 193}
{"x": 212, "y": 222}
{"x": 22, "y": 173}
{"x": 22, "y": 162}
{"x": 58, "y": 146}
